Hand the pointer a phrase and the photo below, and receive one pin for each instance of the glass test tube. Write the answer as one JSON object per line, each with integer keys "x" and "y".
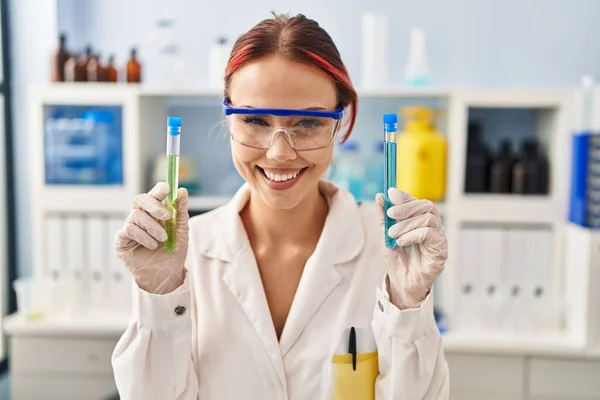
{"x": 390, "y": 133}
{"x": 173, "y": 141}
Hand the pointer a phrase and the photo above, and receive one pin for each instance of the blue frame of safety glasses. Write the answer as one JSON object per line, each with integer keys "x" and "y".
{"x": 283, "y": 112}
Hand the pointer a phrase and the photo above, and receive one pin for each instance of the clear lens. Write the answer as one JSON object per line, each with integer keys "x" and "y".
{"x": 303, "y": 133}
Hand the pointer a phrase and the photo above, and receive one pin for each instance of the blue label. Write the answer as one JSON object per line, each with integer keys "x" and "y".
{"x": 83, "y": 145}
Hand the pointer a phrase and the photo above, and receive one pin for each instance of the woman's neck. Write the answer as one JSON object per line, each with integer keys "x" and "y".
{"x": 301, "y": 225}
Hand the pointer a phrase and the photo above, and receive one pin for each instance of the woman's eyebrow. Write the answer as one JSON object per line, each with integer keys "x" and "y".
{"x": 307, "y": 109}
{"x": 315, "y": 109}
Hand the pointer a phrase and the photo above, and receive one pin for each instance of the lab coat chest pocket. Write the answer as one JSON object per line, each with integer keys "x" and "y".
{"x": 351, "y": 371}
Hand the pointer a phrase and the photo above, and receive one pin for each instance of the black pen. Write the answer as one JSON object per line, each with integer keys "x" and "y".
{"x": 352, "y": 347}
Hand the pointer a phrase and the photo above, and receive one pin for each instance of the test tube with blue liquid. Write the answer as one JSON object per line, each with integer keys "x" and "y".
{"x": 390, "y": 133}
{"x": 173, "y": 149}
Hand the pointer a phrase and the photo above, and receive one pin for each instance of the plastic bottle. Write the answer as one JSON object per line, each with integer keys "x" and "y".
{"x": 374, "y": 50}
{"x": 477, "y": 179}
{"x": 349, "y": 172}
{"x": 374, "y": 173}
{"x": 134, "y": 69}
{"x": 217, "y": 59}
{"x": 422, "y": 153}
{"x": 501, "y": 170}
{"x": 59, "y": 59}
{"x": 418, "y": 71}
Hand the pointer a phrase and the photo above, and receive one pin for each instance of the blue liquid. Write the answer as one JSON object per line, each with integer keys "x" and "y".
{"x": 389, "y": 180}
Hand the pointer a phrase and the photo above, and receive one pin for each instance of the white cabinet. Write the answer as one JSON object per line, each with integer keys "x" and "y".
{"x": 476, "y": 377}
{"x": 559, "y": 374}
{"x": 568, "y": 379}
{"x": 62, "y": 359}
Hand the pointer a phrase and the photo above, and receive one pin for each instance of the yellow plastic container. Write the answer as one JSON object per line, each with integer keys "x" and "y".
{"x": 422, "y": 154}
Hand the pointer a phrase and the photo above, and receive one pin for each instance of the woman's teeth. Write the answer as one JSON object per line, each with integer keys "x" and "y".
{"x": 281, "y": 177}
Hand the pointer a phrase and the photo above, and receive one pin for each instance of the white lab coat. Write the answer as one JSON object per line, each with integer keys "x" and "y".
{"x": 224, "y": 346}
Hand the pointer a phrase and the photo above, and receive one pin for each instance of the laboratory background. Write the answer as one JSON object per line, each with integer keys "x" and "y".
{"x": 499, "y": 125}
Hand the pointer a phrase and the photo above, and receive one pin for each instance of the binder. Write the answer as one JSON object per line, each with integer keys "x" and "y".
{"x": 493, "y": 276}
{"x": 55, "y": 248}
{"x": 97, "y": 259}
{"x": 539, "y": 304}
{"x": 55, "y": 266}
{"x": 469, "y": 281}
{"x": 516, "y": 264}
{"x": 120, "y": 280}
{"x": 76, "y": 263}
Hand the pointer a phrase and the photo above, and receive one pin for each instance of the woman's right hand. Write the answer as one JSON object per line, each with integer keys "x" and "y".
{"x": 140, "y": 243}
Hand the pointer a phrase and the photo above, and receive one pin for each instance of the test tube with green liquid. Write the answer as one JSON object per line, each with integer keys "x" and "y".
{"x": 390, "y": 133}
{"x": 173, "y": 146}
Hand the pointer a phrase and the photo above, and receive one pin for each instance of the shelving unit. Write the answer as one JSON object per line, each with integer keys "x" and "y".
{"x": 508, "y": 208}
{"x": 145, "y": 110}
{"x": 552, "y": 112}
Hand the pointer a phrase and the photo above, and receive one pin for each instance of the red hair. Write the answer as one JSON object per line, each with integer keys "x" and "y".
{"x": 300, "y": 39}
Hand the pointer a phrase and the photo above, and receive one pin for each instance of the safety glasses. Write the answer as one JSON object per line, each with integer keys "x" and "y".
{"x": 303, "y": 130}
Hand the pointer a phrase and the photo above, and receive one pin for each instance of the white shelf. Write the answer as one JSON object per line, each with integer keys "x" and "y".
{"x": 507, "y": 208}
{"x": 203, "y": 203}
{"x": 405, "y": 92}
{"x": 180, "y": 92}
{"x": 516, "y": 344}
{"x": 96, "y": 325}
{"x": 514, "y": 98}
{"x": 390, "y": 91}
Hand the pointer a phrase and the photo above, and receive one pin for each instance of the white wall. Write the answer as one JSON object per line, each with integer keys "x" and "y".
{"x": 472, "y": 42}
{"x": 33, "y": 25}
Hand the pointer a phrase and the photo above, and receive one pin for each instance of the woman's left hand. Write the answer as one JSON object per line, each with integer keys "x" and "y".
{"x": 421, "y": 251}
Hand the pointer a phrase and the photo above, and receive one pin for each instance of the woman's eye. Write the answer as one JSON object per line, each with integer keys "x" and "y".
{"x": 255, "y": 121}
{"x": 309, "y": 123}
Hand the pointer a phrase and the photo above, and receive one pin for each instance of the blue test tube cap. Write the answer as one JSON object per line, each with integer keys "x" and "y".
{"x": 173, "y": 126}
{"x": 389, "y": 119}
{"x": 174, "y": 122}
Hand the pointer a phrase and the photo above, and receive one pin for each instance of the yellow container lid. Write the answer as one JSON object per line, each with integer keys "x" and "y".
{"x": 418, "y": 118}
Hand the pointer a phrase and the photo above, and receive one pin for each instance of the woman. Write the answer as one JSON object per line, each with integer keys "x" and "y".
{"x": 292, "y": 270}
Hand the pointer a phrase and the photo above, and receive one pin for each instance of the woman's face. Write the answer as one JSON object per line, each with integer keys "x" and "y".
{"x": 276, "y": 82}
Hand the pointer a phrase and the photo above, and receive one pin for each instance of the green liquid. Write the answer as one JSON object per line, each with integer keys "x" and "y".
{"x": 173, "y": 181}
{"x": 389, "y": 181}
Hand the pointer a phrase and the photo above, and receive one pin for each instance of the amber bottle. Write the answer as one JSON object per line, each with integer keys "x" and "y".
{"x": 111, "y": 71}
{"x": 134, "y": 69}
{"x": 82, "y": 64}
{"x": 531, "y": 171}
{"x": 93, "y": 69}
{"x": 96, "y": 71}
{"x": 73, "y": 71}
{"x": 502, "y": 169}
{"x": 59, "y": 59}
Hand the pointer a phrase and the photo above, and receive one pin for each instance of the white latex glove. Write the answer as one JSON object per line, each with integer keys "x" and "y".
{"x": 140, "y": 243}
{"x": 421, "y": 251}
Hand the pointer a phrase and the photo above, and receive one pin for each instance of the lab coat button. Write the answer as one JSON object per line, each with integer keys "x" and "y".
{"x": 380, "y": 305}
{"x": 180, "y": 310}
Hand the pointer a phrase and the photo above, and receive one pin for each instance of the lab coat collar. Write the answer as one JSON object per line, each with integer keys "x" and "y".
{"x": 341, "y": 240}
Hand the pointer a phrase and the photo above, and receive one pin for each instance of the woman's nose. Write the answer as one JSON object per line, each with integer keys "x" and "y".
{"x": 281, "y": 149}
